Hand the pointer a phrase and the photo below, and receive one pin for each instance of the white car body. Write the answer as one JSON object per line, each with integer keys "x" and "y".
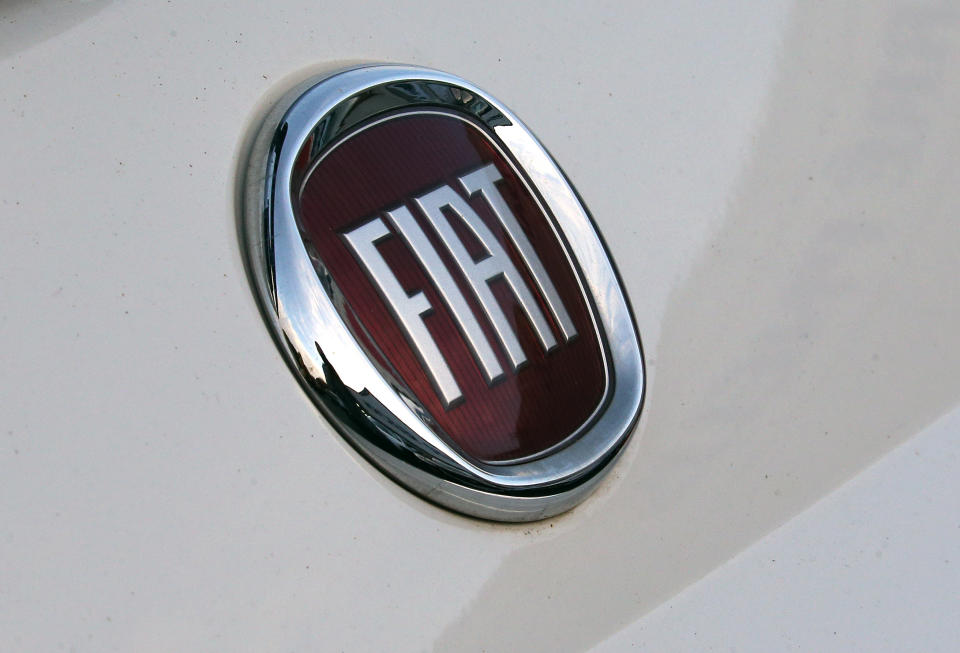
{"x": 778, "y": 185}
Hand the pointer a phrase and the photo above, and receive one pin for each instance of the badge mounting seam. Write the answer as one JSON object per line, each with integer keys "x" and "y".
{"x": 298, "y": 304}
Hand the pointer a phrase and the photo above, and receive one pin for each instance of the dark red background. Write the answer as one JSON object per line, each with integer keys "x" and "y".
{"x": 375, "y": 170}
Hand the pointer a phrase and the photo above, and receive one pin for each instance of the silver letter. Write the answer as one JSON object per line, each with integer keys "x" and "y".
{"x": 484, "y": 180}
{"x": 408, "y": 309}
{"x": 479, "y": 273}
{"x": 405, "y": 223}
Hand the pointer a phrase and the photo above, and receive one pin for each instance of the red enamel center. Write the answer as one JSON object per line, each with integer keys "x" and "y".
{"x": 358, "y": 208}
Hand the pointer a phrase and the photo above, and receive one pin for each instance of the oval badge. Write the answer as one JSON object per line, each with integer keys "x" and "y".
{"x": 440, "y": 291}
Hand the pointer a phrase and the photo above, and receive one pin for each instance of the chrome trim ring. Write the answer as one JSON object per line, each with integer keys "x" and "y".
{"x": 378, "y": 417}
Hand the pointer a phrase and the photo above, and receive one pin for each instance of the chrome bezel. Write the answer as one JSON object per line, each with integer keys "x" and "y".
{"x": 299, "y": 302}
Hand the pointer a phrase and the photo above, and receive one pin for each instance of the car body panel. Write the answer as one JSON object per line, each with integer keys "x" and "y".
{"x": 776, "y": 182}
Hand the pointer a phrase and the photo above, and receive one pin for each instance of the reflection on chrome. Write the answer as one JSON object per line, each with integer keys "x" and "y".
{"x": 376, "y": 414}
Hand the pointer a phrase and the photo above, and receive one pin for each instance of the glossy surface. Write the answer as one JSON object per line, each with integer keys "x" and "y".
{"x": 303, "y": 307}
{"x": 777, "y": 182}
{"x": 525, "y": 411}
{"x": 870, "y": 567}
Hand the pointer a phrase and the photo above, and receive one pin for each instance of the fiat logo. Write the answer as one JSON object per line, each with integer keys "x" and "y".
{"x": 440, "y": 291}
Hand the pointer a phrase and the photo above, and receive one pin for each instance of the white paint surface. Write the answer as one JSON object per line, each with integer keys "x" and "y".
{"x": 874, "y": 566}
{"x": 777, "y": 183}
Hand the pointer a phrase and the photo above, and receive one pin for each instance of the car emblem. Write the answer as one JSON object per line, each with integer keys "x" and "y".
{"x": 440, "y": 291}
